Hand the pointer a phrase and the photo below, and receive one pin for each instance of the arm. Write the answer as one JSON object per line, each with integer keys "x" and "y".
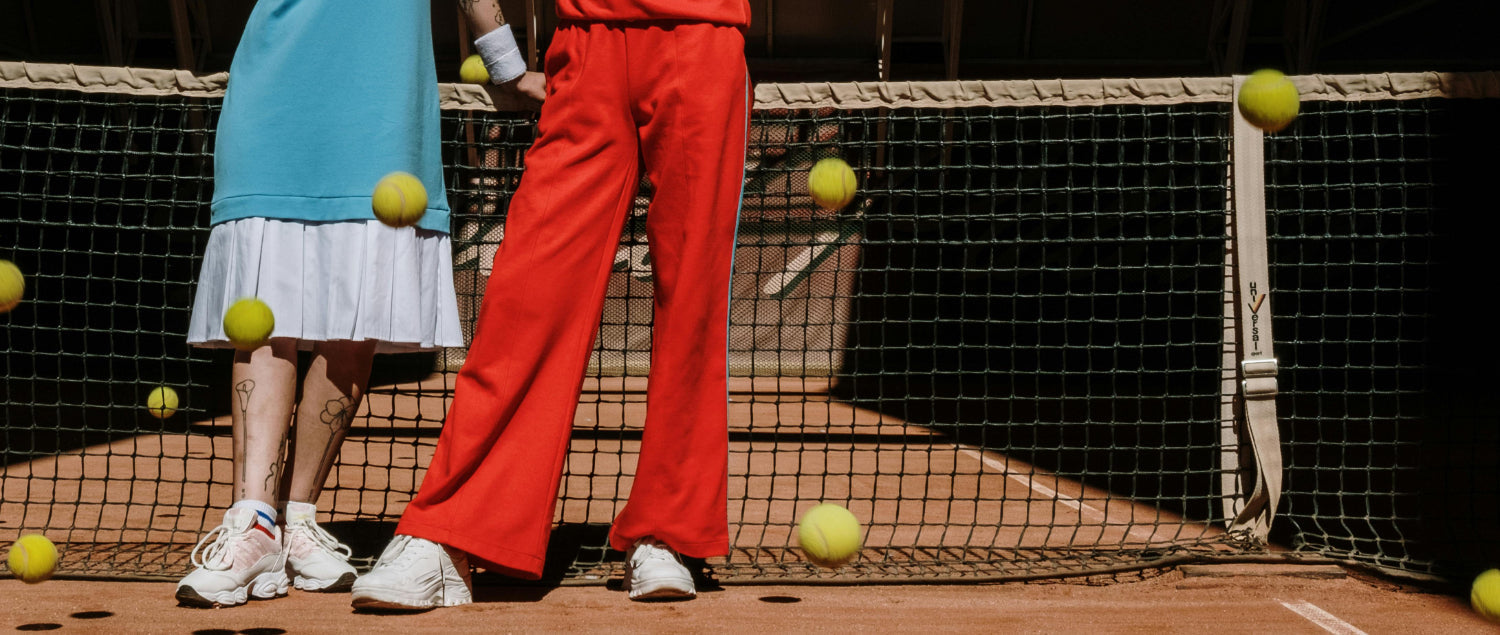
{"x": 484, "y": 15}
{"x": 497, "y": 46}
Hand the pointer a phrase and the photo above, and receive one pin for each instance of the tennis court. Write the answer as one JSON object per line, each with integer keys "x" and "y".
{"x": 1170, "y": 601}
{"x": 1016, "y": 358}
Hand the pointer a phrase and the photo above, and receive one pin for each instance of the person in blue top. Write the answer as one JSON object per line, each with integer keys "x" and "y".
{"x": 324, "y": 99}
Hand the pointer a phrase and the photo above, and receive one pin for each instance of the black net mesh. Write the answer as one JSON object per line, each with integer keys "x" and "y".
{"x": 1003, "y": 356}
{"x": 1379, "y": 227}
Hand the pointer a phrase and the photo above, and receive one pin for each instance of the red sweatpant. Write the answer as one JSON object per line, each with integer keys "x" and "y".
{"x": 675, "y": 94}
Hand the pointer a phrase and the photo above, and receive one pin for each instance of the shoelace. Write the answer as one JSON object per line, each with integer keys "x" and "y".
{"x": 323, "y": 538}
{"x": 212, "y": 558}
{"x": 396, "y": 552}
{"x": 651, "y": 550}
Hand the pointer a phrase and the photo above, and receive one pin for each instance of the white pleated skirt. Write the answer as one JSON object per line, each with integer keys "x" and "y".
{"x": 349, "y": 280}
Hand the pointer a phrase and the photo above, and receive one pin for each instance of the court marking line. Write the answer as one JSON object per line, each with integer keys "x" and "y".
{"x": 1083, "y": 509}
{"x": 1325, "y": 620}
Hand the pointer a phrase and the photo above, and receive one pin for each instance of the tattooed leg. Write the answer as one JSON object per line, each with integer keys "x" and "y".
{"x": 336, "y": 415}
{"x": 331, "y": 394}
{"x": 242, "y": 390}
{"x": 271, "y": 484}
{"x": 264, "y": 382}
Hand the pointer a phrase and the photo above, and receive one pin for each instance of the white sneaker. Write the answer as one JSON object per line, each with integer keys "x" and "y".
{"x": 415, "y": 574}
{"x": 654, "y": 572}
{"x": 240, "y": 561}
{"x": 316, "y": 560}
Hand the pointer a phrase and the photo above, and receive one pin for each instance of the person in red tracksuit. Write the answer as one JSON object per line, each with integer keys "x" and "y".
{"x": 659, "y": 80}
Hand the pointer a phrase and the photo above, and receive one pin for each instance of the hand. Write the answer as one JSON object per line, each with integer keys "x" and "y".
{"x": 525, "y": 92}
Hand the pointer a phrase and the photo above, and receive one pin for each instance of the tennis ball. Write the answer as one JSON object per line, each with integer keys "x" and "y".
{"x": 162, "y": 402}
{"x": 473, "y": 71}
{"x": 399, "y": 200}
{"x": 829, "y": 535}
{"x": 32, "y": 558}
{"x": 1486, "y": 595}
{"x": 248, "y": 323}
{"x": 12, "y": 285}
{"x": 1268, "y": 100}
{"x": 831, "y": 183}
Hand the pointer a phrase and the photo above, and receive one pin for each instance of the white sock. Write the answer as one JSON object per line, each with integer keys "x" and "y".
{"x": 265, "y": 515}
{"x": 295, "y": 512}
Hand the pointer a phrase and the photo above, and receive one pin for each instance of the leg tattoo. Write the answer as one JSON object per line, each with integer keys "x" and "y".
{"x": 273, "y": 470}
{"x": 244, "y": 390}
{"x": 337, "y": 414}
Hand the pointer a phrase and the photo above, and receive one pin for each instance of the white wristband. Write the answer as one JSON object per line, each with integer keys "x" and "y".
{"x": 501, "y": 55}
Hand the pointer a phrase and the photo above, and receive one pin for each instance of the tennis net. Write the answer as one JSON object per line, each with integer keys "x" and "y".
{"x": 1007, "y": 356}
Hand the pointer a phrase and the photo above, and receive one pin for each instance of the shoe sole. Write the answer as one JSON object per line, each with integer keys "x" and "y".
{"x": 366, "y": 600}
{"x": 662, "y": 590}
{"x": 372, "y": 604}
{"x": 186, "y": 596}
{"x": 340, "y": 585}
{"x": 266, "y": 586}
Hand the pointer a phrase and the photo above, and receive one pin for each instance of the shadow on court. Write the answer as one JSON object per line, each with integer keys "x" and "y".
{"x": 1097, "y": 362}
{"x": 573, "y": 550}
{"x": 1082, "y": 333}
{"x": 55, "y": 401}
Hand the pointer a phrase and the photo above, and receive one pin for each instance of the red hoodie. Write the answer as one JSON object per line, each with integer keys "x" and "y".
{"x": 725, "y": 12}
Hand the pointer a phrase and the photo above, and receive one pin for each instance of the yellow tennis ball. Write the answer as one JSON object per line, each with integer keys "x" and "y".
{"x": 1269, "y": 100}
{"x": 248, "y": 323}
{"x": 473, "y": 71}
{"x": 1486, "y": 595}
{"x": 12, "y": 285}
{"x": 832, "y": 183}
{"x": 829, "y": 535}
{"x": 32, "y": 558}
{"x": 399, "y": 199}
{"x": 162, "y": 402}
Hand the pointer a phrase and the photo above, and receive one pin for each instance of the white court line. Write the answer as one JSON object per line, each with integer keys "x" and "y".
{"x": 1084, "y": 509}
{"x": 1327, "y": 621}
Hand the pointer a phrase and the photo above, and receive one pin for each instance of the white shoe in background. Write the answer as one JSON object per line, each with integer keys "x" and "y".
{"x": 316, "y": 560}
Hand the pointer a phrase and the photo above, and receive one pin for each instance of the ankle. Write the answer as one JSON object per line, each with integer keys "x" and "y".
{"x": 298, "y": 511}
{"x": 265, "y": 514}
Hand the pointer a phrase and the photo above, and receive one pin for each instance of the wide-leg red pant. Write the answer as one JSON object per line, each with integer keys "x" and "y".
{"x": 675, "y": 94}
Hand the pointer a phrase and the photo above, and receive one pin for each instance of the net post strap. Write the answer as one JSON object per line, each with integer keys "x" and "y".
{"x": 1257, "y": 361}
{"x": 1234, "y": 463}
